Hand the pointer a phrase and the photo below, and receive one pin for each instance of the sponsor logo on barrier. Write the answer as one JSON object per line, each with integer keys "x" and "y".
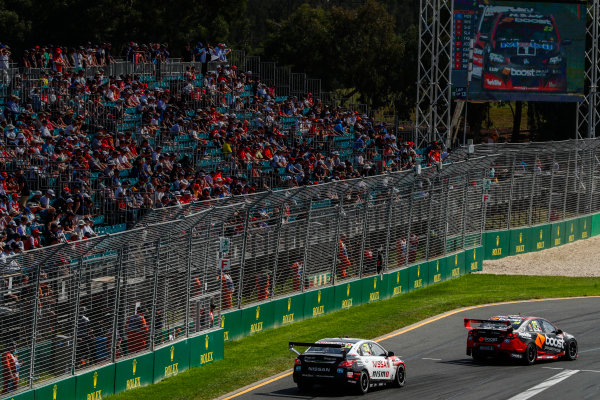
{"x": 557, "y": 241}
{"x": 520, "y": 248}
{"x": 96, "y": 395}
{"x": 348, "y": 290}
{"x": 172, "y": 369}
{"x": 498, "y": 250}
{"x": 373, "y": 296}
{"x": 135, "y": 381}
{"x": 347, "y": 303}
{"x": 541, "y": 244}
{"x": 318, "y": 310}
{"x": 418, "y": 283}
{"x": 54, "y": 392}
{"x": 288, "y": 318}
{"x": 474, "y": 263}
{"x": 206, "y": 357}
{"x": 257, "y": 327}
{"x": 437, "y": 278}
{"x": 455, "y": 272}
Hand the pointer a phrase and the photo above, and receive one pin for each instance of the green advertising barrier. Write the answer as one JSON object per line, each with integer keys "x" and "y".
{"x": 59, "y": 390}
{"x": 257, "y": 318}
{"x": 28, "y": 395}
{"x": 418, "y": 275}
{"x": 518, "y": 241}
{"x": 171, "y": 360}
{"x": 318, "y": 302}
{"x": 347, "y": 295}
{"x": 585, "y": 228}
{"x": 438, "y": 271}
{"x": 398, "y": 282}
{"x": 288, "y": 310}
{"x": 134, "y": 372}
{"x": 496, "y": 244}
{"x": 595, "y": 224}
{"x": 558, "y": 234}
{"x": 474, "y": 259}
{"x": 539, "y": 238}
{"x": 375, "y": 288}
{"x": 206, "y": 348}
{"x": 571, "y": 230}
{"x": 455, "y": 265}
{"x": 231, "y": 323}
{"x": 96, "y": 384}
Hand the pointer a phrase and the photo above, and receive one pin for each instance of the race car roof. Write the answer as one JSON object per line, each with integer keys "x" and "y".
{"x": 340, "y": 340}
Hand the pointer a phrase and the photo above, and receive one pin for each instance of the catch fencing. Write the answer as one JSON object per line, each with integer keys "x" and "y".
{"x": 75, "y": 306}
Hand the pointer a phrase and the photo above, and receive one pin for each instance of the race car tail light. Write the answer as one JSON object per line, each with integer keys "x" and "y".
{"x": 297, "y": 362}
{"x": 347, "y": 364}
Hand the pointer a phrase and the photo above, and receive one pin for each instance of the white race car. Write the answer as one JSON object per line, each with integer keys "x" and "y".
{"x": 357, "y": 363}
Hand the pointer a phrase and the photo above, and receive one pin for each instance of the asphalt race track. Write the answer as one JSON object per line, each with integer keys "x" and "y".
{"x": 438, "y": 368}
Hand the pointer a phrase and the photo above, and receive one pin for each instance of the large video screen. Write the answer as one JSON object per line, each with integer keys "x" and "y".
{"x": 521, "y": 50}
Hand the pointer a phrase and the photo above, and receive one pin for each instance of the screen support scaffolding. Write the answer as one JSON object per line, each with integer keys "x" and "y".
{"x": 434, "y": 81}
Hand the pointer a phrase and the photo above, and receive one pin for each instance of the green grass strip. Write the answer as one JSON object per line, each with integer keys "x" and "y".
{"x": 265, "y": 354}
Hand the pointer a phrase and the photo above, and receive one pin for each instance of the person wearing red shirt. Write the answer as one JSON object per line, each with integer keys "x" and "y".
{"x": 10, "y": 369}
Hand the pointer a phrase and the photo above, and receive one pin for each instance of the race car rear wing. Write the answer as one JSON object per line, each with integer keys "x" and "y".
{"x": 329, "y": 345}
{"x": 502, "y": 324}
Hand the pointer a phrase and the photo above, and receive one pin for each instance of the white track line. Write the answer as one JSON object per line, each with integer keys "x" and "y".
{"x": 433, "y": 359}
{"x": 529, "y": 393}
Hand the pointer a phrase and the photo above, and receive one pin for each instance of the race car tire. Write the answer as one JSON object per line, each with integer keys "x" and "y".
{"x": 571, "y": 350}
{"x": 363, "y": 383}
{"x": 303, "y": 386}
{"x": 530, "y": 354}
{"x": 477, "y": 355}
{"x": 400, "y": 378}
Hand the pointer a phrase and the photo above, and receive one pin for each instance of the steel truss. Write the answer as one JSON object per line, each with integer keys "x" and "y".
{"x": 434, "y": 81}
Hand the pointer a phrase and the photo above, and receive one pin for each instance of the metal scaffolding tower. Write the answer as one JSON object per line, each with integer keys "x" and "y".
{"x": 434, "y": 80}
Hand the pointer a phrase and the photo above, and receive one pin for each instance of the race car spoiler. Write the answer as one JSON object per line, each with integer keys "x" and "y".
{"x": 330, "y": 345}
{"x": 469, "y": 321}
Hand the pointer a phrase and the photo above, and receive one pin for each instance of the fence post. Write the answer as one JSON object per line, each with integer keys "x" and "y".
{"x": 34, "y": 324}
{"x": 364, "y": 235}
{"x": 591, "y": 183}
{"x": 243, "y": 260}
{"x": 464, "y": 207}
{"x": 306, "y": 238}
{"x": 189, "y": 283}
{"x": 118, "y": 277}
{"x": 389, "y": 229}
{"x": 564, "y": 213}
{"x": 532, "y": 194}
{"x": 428, "y": 233}
{"x": 337, "y": 239}
{"x": 551, "y": 186}
{"x": 276, "y": 264}
{"x": 446, "y": 185}
{"x": 155, "y": 296}
{"x": 75, "y": 325}
{"x": 512, "y": 184}
{"x": 410, "y": 219}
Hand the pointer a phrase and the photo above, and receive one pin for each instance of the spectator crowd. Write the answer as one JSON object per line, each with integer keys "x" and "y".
{"x": 80, "y": 146}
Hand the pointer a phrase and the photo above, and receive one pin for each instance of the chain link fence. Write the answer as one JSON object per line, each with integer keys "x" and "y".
{"x": 81, "y": 304}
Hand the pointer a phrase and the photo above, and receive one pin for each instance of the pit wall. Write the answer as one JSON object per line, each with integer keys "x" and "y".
{"x": 192, "y": 352}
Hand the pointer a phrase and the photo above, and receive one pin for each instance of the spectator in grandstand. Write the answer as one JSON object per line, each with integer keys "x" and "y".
{"x": 137, "y": 331}
{"x": 10, "y": 368}
{"x": 85, "y": 338}
{"x": 4, "y": 64}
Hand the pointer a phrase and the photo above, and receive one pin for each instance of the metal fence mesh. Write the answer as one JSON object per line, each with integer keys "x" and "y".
{"x": 80, "y": 304}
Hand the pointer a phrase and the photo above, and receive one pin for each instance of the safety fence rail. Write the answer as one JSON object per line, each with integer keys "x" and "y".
{"x": 77, "y": 306}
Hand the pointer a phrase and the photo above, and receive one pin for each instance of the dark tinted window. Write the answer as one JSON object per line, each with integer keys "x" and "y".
{"x": 547, "y": 326}
{"x": 377, "y": 350}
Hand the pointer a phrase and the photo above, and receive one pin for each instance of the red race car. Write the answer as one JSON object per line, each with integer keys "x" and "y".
{"x": 526, "y": 339}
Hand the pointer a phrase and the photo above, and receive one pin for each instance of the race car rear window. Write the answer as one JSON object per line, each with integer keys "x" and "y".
{"x": 328, "y": 350}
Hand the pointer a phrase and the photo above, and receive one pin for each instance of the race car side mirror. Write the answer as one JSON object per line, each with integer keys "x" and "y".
{"x": 390, "y": 353}
{"x": 559, "y": 332}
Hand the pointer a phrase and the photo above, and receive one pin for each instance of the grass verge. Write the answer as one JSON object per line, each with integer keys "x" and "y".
{"x": 265, "y": 354}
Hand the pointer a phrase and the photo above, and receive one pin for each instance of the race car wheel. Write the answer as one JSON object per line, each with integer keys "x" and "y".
{"x": 303, "y": 386}
{"x": 571, "y": 350}
{"x": 363, "y": 383}
{"x": 530, "y": 354}
{"x": 400, "y": 378}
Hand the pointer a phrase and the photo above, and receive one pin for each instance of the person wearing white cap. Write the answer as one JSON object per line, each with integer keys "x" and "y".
{"x": 45, "y": 200}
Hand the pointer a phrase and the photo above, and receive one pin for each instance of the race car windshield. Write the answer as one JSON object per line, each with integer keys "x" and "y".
{"x": 534, "y": 32}
{"x": 328, "y": 350}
